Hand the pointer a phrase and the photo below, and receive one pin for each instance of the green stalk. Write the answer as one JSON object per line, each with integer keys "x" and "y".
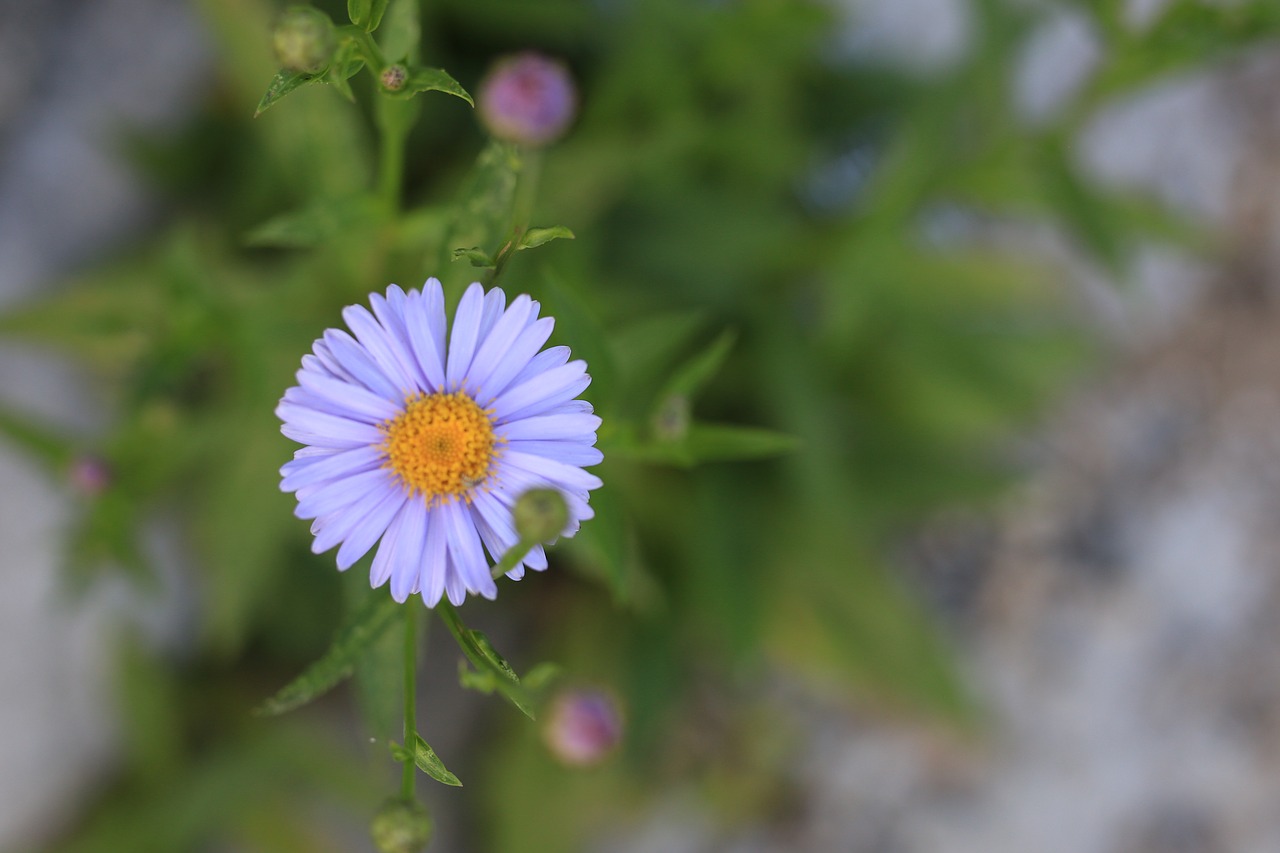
{"x": 521, "y": 208}
{"x": 410, "y": 721}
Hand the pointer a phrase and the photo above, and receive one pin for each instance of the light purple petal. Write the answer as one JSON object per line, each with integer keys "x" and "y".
{"x": 569, "y": 452}
{"x": 390, "y": 314}
{"x": 495, "y": 301}
{"x": 464, "y": 549}
{"x": 385, "y": 558}
{"x": 324, "y": 430}
{"x": 551, "y": 427}
{"x": 542, "y": 392}
{"x": 464, "y": 335}
{"x": 338, "y": 526}
{"x": 311, "y": 470}
{"x": 498, "y": 342}
{"x": 566, "y": 477}
{"x": 453, "y": 585}
{"x": 522, "y": 353}
{"x": 427, "y": 347}
{"x": 433, "y": 308}
{"x": 357, "y": 361}
{"x": 410, "y": 540}
{"x": 435, "y": 559}
{"x": 495, "y": 524}
{"x": 370, "y": 526}
{"x": 354, "y": 401}
{"x": 376, "y": 341}
{"x": 341, "y": 493}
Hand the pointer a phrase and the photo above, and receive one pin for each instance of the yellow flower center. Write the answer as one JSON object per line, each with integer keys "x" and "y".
{"x": 441, "y": 446}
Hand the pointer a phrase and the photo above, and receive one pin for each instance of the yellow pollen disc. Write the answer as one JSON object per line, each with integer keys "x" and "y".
{"x": 441, "y": 446}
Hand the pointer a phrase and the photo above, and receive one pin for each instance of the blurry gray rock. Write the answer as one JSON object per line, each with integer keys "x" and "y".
{"x": 76, "y": 75}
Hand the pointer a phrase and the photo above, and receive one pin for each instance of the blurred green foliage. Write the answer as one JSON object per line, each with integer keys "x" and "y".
{"x": 735, "y": 298}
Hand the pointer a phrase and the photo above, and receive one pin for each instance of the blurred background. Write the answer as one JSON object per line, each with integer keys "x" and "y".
{"x": 1005, "y": 271}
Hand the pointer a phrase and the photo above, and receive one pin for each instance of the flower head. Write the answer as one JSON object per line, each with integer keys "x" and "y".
{"x": 426, "y": 443}
{"x": 527, "y": 98}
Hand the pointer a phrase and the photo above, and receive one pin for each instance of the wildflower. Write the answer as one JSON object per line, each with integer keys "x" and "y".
{"x": 528, "y": 99}
{"x": 429, "y": 445}
{"x": 584, "y": 727}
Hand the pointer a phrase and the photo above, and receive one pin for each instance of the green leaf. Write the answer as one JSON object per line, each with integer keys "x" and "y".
{"x": 432, "y": 80}
{"x": 358, "y": 11}
{"x": 363, "y": 629}
{"x": 478, "y": 257}
{"x": 706, "y": 443}
{"x": 535, "y": 237}
{"x": 284, "y": 83}
{"x": 695, "y": 373}
{"x": 425, "y": 759}
{"x": 347, "y": 61}
{"x": 376, "y": 12}
{"x": 36, "y": 439}
{"x": 403, "y": 31}
{"x": 485, "y": 658}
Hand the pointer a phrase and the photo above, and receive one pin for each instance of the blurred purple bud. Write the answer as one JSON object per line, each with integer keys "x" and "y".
{"x": 90, "y": 475}
{"x": 528, "y": 99}
{"x": 584, "y": 727}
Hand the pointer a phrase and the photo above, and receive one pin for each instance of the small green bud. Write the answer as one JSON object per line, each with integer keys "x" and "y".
{"x": 393, "y": 77}
{"x": 304, "y": 39}
{"x": 401, "y": 826}
{"x": 541, "y": 515}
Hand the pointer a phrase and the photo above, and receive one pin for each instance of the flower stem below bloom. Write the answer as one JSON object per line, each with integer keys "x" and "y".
{"x": 410, "y": 722}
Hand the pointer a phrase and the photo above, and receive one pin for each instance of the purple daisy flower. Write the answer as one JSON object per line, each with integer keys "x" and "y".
{"x": 427, "y": 444}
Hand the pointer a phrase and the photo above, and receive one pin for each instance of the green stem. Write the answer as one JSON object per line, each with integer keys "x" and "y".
{"x": 521, "y": 209}
{"x": 410, "y": 720}
{"x": 391, "y": 159}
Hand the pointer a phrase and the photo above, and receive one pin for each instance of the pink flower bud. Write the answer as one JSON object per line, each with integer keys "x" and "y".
{"x": 528, "y": 99}
{"x": 584, "y": 727}
{"x": 90, "y": 475}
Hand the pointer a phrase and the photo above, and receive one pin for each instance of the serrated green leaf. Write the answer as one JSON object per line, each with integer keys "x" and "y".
{"x": 432, "y": 80}
{"x": 284, "y": 83}
{"x": 364, "y": 628}
{"x": 477, "y": 256}
{"x": 425, "y": 759}
{"x": 535, "y": 237}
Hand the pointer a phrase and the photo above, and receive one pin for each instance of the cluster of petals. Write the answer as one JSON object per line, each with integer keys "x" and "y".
{"x": 353, "y": 385}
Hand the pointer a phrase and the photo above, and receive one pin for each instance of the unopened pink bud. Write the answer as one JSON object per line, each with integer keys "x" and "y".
{"x": 528, "y": 99}
{"x": 90, "y": 475}
{"x": 584, "y": 727}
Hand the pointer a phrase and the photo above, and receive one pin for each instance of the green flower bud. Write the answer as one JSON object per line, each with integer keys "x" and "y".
{"x": 393, "y": 77}
{"x": 401, "y": 826}
{"x": 304, "y": 39}
{"x": 540, "y": 515}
